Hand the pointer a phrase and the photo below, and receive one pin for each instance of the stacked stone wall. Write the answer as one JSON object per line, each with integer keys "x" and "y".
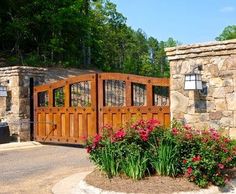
{"x": 217, "y": 109}
{"x": 15, "y": 108}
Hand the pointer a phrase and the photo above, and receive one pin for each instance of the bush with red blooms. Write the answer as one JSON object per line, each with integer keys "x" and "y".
{"x": 205, "y": 155}
{"x": 144, "y": 148}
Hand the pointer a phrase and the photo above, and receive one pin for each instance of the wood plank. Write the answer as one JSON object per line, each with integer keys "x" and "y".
{"x": 71, "y": 125}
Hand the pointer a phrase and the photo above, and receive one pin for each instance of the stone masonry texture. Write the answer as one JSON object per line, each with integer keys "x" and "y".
{"x": 217, "y": 109}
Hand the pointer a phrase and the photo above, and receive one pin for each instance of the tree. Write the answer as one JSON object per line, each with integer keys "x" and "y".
{"x": 79, "y": 33}
{"x": 228, "y": 33}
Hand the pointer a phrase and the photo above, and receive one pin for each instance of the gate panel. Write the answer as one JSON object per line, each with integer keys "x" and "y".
{"x": 135, "y": 97}
{"x": 71, "y": 110}
{"x": 66, "y": 111}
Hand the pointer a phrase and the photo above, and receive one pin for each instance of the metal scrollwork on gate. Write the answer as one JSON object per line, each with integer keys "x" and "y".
{"x": 139, "y": 94}
{"x": 80, "y": 94}
{"x": 43, "y": 99}
{"x": 114, "y": 92}
{"x": 161, "y": 96}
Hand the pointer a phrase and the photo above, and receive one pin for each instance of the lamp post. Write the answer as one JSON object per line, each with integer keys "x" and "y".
{"x": 193, "y": 80}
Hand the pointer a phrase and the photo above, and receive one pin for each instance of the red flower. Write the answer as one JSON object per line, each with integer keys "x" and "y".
{"x": 187, "y": 127}
{"x": 119, "y": 135}
{"x": 97, "y": 138}
{"x": 225, "y": 150}
{"x": 144, "y": 135}
{"x": 189, "y": 170}
{"x": 89, "y": 149}
{"x": 153, "y": 123}
{"x": 226, "y": 140}
{"x": 214, "y": 134}
{"x": 221, "y": 166}
{"x": 184, "y": 161}
{"x": 175, "y": 131}
{"x": 229, "y": 159}
{"x": 188, "y": 136}
{"x": 96, "y": 141}
{"x": 196, "y": 158}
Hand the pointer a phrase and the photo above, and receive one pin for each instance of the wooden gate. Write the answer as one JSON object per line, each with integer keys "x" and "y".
{"x": 71, "y": 110}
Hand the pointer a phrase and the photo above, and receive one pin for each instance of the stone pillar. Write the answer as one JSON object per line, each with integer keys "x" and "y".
{"x": 15, "y": 108}
{"x": 218, "y": 108}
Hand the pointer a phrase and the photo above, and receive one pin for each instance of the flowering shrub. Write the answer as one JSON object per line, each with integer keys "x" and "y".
{"x": 146, "y": 148}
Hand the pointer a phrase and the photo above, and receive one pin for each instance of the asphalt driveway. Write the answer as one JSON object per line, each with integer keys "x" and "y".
{"x": 36, "y": 170}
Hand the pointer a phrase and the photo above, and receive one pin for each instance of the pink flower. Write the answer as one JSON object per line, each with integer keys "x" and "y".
{"x": 175, "y": 131}
{"x": 97, "y": 138}
{"x": 89, "y": 149}
{"x": 188, "y": 136}
{"x": 226, "y": 140}
{"x": 187, "y": 127}
{"x": 225, "y": 150}
{"x": 221, "y": 166}
{"x": 214, "y": 134}
{"x": 144, "y": 135}
{"x": 96, "y": 141}
{"x": 119, "y": 135}
{"x": 153, "y": 123}
{"x": 229, "y": 159}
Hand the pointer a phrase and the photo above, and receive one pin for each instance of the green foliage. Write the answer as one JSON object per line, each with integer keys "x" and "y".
{"x": 165, "y": 159}
{"x": 228, "y": 33}
{"x": 135, "y": 161}
{"x": 78, "y": 33}
{"x": 144, "y": 148}
{"x": 106, "y": 158}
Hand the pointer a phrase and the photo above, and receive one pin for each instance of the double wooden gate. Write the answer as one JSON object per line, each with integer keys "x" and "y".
{"x": 71, "y": 110}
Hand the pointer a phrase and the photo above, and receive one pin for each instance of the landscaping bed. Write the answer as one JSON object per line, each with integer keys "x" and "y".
{"x": 148, "y": 185}
{"x": 144, "y": 153}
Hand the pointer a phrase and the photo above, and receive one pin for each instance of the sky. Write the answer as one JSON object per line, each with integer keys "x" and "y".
{"x": 187, "y": 21}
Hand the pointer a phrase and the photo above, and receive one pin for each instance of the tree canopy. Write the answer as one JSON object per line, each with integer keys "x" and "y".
{"x": 78, "y": 33}
{"x": 228, "y": 33}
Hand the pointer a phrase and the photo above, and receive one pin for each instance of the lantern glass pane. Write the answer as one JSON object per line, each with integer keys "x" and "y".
{"x": 190, "y": 85}
{"x": 187, "y": 77}
{"x": 193, "y": 77}
{"x": 3, "y": 91}
{"x": 199, "y": 85}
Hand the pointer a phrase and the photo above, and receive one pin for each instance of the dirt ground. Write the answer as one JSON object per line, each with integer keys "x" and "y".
{"x": 150, "y": 185}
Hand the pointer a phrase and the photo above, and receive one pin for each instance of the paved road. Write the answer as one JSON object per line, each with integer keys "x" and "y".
{"x": 36, "y": 170}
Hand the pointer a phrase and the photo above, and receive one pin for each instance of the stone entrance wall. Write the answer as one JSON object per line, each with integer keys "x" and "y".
{"x": 15, "y": 108}
{"x": 217, "y": 109}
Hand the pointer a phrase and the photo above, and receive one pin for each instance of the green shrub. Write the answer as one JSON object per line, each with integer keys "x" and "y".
{"x": 203, "y": 156}
{"x": 165, "y": 159}
{"x": 134, "y": 163}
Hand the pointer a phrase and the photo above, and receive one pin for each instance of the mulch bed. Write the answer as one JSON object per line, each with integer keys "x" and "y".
{"x": 149, "y": 185}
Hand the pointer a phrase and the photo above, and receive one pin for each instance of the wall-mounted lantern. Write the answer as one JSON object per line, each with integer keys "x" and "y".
{"x": 3, "y": 91}
{"x": 193, "y": 80}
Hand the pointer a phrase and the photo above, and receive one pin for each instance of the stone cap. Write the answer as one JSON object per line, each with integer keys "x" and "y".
{"x": 216, "y": 48}
{"x": 50, "y": 74}
{"x": 16, "y": 70}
